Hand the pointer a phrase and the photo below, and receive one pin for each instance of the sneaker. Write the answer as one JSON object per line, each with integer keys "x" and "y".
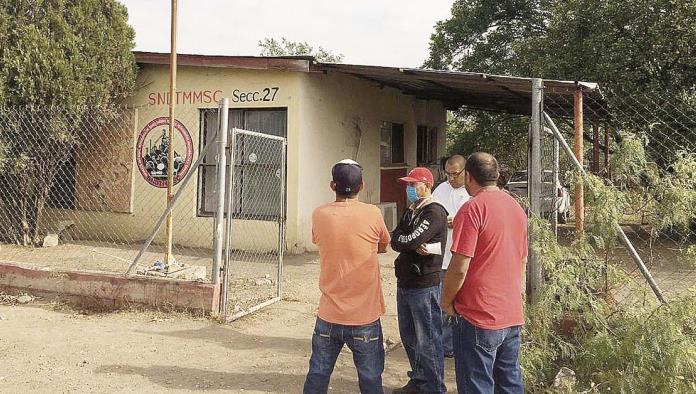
{"x": 410, "y": 388}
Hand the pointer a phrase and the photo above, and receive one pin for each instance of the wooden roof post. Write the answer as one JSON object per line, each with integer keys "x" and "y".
{"x": 579, "y": 154}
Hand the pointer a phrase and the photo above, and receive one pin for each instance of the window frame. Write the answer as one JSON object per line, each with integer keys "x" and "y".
{"x": 426, "y": 145}
{"x": 394, "y": 128}
{"x": 204, "y": 166}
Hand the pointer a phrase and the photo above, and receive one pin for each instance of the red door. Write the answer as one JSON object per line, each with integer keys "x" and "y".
{"x": 391, "y": 190}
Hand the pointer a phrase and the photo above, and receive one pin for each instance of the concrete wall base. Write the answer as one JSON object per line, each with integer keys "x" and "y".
{"x": 104, "y": 290}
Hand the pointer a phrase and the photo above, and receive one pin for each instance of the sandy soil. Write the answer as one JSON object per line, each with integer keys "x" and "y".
{"x": 44, "y": 349}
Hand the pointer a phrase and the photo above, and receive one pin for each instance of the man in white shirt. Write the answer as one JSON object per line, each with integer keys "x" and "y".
{"x": 452, "y": 194}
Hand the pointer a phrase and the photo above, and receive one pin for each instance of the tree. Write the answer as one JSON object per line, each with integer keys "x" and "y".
{"x": 634, "y": 43}
{"x": 629, "y": 46}
{"x": 284, "y": 47}
{"x": 60, "y": 63}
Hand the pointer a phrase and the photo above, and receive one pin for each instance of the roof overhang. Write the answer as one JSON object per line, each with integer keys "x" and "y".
{"x": 285, "y": 63}
{"x": 469, "y": 89}
{"x": 455, "y": 89}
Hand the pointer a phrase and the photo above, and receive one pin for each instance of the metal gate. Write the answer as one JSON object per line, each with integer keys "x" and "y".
{"x": 254, "y": 223}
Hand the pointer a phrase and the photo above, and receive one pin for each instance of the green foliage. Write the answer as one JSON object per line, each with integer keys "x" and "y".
{"x": 584, "y": 318}
{"x": 66, "y": 54}
{"x": 628, "y": 42}
{"x": 608, "y": 205}
{"x": 629, "y": 162}
{"x": 690, "y": 261}
{"x": 668, "y": 195}
{"x": 646, "y": 352}
{"x": 60, "y": 61}
{"x": 484, "y": 131}
{"x": 284, "y": 47}
{"x": 569, "y": 304}
{"x": 676, "y": 194}
{"x": 577, "y": 322}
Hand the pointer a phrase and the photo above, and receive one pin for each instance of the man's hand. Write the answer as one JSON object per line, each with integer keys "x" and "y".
{"x": 448, "y": 309}
{"x": 422, "y": 250}
{"x": 450, "y": 221}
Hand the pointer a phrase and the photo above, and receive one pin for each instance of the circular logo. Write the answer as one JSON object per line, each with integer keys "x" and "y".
{"x": 152, "y": 152}
{"x": 253, "y": 157}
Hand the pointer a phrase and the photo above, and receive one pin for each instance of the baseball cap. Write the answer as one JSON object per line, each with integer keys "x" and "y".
{"x": 419, "y": 174}
{"x": 347, "y": 174}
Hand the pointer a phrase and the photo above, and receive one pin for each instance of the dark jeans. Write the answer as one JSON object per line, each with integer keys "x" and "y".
{"x": 447, "y": 323}
{"x": 366, "y": 343}
{"x": 487, "y": 361}
{"x": 420, "y": 326}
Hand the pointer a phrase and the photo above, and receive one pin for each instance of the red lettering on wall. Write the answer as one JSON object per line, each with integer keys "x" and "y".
{"x": 186, "y": 97}
{"x": 162, "y": 98}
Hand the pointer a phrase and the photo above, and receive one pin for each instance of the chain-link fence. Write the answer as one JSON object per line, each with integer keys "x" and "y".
{"x": 86, "y": 189}
{"x": 643, "y": 146}
{"x": 82, "y": 188}
{"x": 256, "y": 235}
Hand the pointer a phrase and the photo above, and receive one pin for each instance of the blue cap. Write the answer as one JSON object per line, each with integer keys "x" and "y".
{"x": 347, "y": 175}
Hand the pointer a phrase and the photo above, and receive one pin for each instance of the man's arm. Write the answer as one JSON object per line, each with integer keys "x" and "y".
{"x": 454, "y": 279}
{"x": 383, "y": 233}
{"x": 431, "y": 224}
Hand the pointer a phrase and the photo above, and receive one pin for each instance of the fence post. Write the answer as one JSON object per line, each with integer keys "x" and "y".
{"x": 579, "y": 154}
{"x": 168, "y": 256}
{"x": 221, "y": 142}
{"x": 230, "y": 200}
{"x": 282, "y": 218}
{"x": 534, "y": 274}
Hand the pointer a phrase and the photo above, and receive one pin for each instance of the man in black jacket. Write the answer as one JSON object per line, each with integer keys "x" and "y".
{"x": 420, "y": 239}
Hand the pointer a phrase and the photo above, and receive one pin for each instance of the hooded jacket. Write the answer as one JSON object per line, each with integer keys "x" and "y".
{"x": 422, "y": 223}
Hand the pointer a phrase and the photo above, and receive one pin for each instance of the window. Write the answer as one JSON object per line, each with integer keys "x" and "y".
{"x": 392, "y": 144}
{"x": 247, "y": 202}
{"x": 426, "y": 151}
{"x": 62, "y": 193}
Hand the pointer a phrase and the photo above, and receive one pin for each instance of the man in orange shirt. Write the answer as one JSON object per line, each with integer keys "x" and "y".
{"x": 483, "y": 284}
{"x": 349, "y": 235}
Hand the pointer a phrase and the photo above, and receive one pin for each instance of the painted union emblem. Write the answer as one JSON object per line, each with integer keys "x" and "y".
{"x": 152, "y": 152}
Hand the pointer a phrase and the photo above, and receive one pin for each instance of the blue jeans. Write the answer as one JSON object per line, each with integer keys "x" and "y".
{"x": 420, "y": 327}
{"x": 447, "y": 323}
{"x": 366, "y": 343}
{"x": 487, "y": 361}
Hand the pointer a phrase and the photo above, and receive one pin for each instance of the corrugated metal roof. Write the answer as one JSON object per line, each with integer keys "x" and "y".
{"x": 455, "y": 89}
{"x": 468, "y": 89}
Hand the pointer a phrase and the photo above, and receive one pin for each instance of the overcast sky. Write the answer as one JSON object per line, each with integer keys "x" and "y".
{"x": 374, "y": 32}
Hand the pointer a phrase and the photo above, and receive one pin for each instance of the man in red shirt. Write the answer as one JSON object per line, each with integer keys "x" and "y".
{"x": 484, "y": 283}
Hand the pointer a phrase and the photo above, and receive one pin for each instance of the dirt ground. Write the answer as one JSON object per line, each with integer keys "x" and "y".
{"x": 46, "y": 348}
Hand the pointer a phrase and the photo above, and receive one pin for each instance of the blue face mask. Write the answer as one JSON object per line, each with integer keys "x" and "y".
{"x": 411, "y": 194}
